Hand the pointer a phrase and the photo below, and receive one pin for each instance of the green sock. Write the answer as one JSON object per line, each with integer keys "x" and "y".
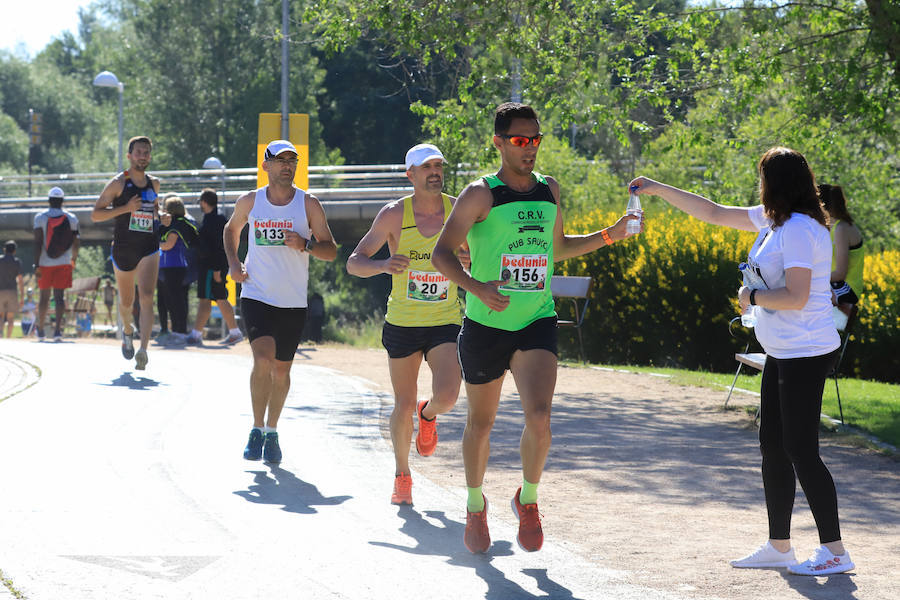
{"x": 528, "y": 495}
{"x": 475, "y": 503}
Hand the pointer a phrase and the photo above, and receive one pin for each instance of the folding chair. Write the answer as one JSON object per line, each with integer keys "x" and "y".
{"x": 758, "y": 359}
{"x": 751, "y": 359}
{"x": 845, "y": 339}
{"x": 576, "y": 289}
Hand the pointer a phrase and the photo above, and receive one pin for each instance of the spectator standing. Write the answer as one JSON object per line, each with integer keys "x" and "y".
{"x": 177, "y": 234}
{"x": 846, "y": 244}
{"x": 792, "y": 257}
{"x": 56, "y": 244}
{"x": 11, "y": 286}
{"x": 212, "y": 269}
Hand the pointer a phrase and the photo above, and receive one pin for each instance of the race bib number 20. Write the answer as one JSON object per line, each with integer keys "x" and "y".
{"x": 427, "y": 286}
{"x": 523, "y": 272}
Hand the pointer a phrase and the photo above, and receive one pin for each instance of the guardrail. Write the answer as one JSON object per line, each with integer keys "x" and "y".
{"x": 328, "y": 182}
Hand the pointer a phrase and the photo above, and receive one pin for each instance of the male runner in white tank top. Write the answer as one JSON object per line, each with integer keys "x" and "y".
{"x": 287, "y": 225}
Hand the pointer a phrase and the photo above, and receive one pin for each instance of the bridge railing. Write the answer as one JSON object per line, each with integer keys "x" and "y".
{"x": 328, "y": 182}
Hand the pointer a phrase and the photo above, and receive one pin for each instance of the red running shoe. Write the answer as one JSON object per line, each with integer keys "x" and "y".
{"x": 402, "y": 489}
{"x": 477, "y": 537}
{"x": 531, "y": 536}
{"x": 427, "y": 438}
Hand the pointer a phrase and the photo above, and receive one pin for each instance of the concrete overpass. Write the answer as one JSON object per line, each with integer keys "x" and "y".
{"x": 351, "y": 194}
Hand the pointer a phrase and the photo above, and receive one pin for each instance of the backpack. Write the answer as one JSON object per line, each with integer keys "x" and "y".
{"x": 59, "y": 235}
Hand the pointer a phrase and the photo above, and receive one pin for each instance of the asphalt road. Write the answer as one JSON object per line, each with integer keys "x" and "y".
{"x": 122, "y": 484}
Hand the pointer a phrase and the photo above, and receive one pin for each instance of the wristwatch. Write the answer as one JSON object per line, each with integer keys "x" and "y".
{"x": 309, "y": 245}
{"x": 752, "y": 297}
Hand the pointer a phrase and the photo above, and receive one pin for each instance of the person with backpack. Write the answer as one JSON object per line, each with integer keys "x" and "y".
{"x": 56, "y": 244}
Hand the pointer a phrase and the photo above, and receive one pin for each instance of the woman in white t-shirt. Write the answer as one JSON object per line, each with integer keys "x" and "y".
{"x": 792, "y": 255}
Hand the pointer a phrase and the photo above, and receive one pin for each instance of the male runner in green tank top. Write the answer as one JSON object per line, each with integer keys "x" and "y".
{"x": 514, "y": 229}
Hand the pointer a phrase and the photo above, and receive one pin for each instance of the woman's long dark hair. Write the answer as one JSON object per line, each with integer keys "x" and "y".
{"x": 832, "y": 197}
{"x": 787, "y": 185}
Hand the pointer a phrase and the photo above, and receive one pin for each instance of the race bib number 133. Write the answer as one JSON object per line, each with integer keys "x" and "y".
{"x": 271, "y": 232}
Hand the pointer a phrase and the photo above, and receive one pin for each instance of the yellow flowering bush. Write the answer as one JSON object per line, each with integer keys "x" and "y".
{"x": 874, "y": 344}
{"x": 665, "y": 297}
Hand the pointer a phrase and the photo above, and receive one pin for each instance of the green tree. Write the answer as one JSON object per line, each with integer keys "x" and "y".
{"x": 198, "y": 75}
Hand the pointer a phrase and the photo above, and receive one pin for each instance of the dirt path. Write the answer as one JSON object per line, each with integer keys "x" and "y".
{"x": 656, "y": 480}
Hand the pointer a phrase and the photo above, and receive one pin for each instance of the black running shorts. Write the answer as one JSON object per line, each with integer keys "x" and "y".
{"x": 283, "y": 324}
{"x": 401, "y": 342}
{"x": 485, "y": 352}
{"x": 127, "y": 255}
{"x": 207, "y": 286}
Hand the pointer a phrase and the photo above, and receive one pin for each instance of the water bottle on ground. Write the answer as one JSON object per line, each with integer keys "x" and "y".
{"x": 634, "y": 208}
{"x": 751, "y": 280}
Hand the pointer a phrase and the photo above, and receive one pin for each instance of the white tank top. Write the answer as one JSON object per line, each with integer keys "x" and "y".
{"x": 276, "y": 275}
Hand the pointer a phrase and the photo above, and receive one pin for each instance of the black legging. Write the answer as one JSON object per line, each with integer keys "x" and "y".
{"x": 175, "y": 292}
{"x": 790, "y": 406}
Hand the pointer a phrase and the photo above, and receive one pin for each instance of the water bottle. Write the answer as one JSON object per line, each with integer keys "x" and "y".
{"x": 634, "y": 208}
{"x": 751, "y": 280}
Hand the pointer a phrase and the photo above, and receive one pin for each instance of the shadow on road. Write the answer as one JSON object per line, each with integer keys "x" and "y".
{"x": 446, "y": 540}
{"x": 128, "y": 380}
{"x": 835, "y": 586}
{"x": 678, "y": 454}
{"x": 279, "y": 486}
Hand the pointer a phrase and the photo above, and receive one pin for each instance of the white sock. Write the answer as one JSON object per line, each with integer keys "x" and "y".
{"x": 268, "y": 430}
{"x": 196, "y": 335}
{"x": 235, "y": 331}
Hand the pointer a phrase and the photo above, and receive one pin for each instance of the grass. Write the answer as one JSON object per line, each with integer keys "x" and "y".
{"x": 871, "y": 406}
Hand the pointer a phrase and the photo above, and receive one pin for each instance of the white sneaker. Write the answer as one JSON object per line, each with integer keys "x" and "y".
{"x": 823, "y": 562}
{"x": 765, "y": 557}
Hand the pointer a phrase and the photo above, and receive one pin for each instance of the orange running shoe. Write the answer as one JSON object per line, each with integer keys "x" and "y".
{"x": 427, "y": 438}
{"x": 402, "y": 489}
{"x": 477, "y": 538}
{"x": 531, "y": 536}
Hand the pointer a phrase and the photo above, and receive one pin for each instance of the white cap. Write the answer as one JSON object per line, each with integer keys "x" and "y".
{"x": 278, "y": 147}
{"x": 56, "y": 192}
{"x": 421, "y": 153}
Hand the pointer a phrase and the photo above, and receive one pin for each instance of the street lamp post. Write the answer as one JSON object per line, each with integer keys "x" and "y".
{"x": 214, "y": 163}
{"x": 107, "y": 79}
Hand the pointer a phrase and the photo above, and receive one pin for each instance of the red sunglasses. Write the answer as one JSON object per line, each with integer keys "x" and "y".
{"x": 522, "y": 141}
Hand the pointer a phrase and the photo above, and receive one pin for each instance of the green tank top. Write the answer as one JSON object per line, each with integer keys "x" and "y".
{"x": 421, "y": 296}
{"x": 855, "y": 259}
{"x": 514, "y": 244}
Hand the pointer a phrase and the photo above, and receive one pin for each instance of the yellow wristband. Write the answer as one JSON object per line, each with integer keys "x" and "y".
{"x": 606, "y": 237}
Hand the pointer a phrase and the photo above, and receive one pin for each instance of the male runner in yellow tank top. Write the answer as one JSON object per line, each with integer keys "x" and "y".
{"x": 423, "y": 314}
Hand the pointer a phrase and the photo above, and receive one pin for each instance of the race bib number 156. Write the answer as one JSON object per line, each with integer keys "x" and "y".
{"x": 523, "y": 272}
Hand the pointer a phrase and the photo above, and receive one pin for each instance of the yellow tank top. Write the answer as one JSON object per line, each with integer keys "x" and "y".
{"x": 856, "y": 258}
{"x": 421, "y": 296}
